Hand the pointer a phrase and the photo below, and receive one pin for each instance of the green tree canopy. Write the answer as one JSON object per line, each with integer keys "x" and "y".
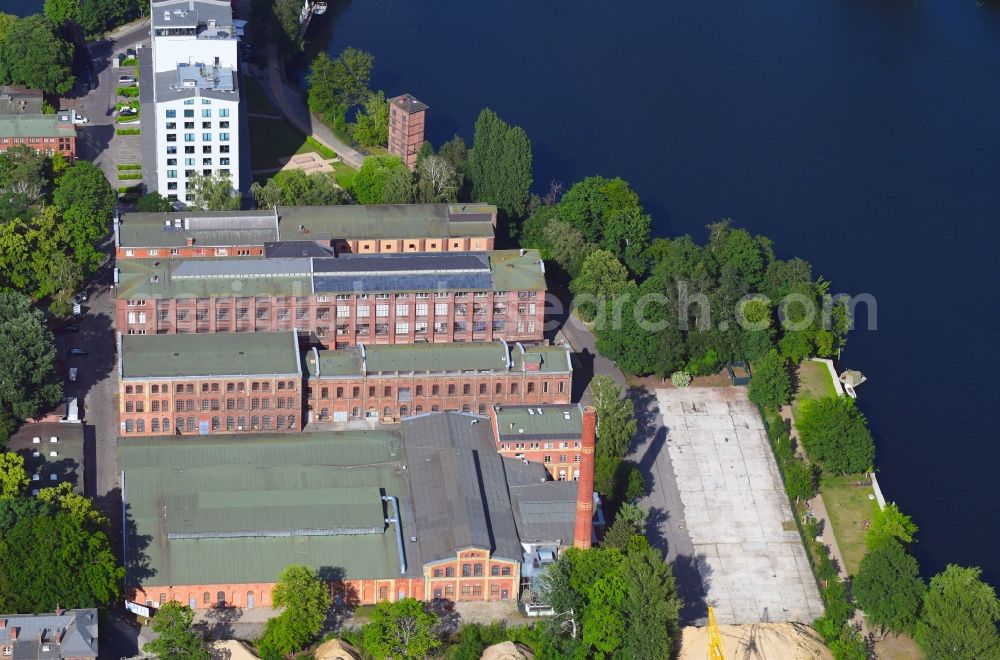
{"x": 13, "y": 476}
{"x": 33, "y": 54}
{"x": 6, "y": 23}
{"x": 629, "y": 521}
{"x": 608, "y": 213}
{"x": 439, "y": 181}
{"x": 499, "y": 165}
{"x": 27, "y": 351}
{"x": 835, "y": 434}
{"x": 616, "y": 423}
{"x": 86, "y": 201}
{"x": 335, "y": 85}
{"x": 888, "y": 587}
{"x": 890, "y": 523}
{"x": 306, "y": 599}
{"x": 651, "y": 603}
{"x": 602, "y": 278}
{"x": 154, "y": 202}
{"x": 371, "y": 125}
{"x": 372, "y": 181}
{"x": 176, "y": 639}
{"x": 62, "y": 11}
{"x": 296, "y": 188}
{"x": 403, "y": 629}
{"x": 770, "y": 384}
{"x": 286, "y": 29}
{"x": 213, "y": 193}
{"x": 959, "y": 617}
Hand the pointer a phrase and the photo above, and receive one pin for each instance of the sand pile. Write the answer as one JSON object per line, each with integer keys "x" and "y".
{"x": 758, "y": 641}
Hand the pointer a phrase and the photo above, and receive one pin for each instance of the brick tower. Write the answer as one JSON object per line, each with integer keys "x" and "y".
{"x": 406, "y": 128}
{"x": 585, "y": 486}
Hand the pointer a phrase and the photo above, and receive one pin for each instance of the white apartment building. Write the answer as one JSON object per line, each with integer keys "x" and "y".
{"x": 191, "y": 80}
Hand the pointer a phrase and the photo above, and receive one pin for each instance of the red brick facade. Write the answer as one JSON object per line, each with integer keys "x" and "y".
{"x": 390, "y": 397}
{"x": 43, "y": 145}
{"x": 340, "y": 246}
{"x": 406, "y": 128}
{"x": 346, "y": 319}
{"x": 473, "y": 575}
{"x": 217, "y": 405}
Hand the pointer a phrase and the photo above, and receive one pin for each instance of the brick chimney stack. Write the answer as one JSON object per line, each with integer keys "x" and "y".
{"x": 585, "y": 486}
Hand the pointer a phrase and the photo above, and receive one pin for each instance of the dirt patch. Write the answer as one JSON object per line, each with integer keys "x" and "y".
{"x": 309, "y": 162}
{"x": 758, "y": 641}
{"x": 720, "y": 379}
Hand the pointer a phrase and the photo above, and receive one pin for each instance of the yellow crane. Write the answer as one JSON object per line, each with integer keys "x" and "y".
{"x": 714, "y": 638}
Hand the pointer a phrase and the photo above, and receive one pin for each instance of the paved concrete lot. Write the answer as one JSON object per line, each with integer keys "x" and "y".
{"x": 749, "y": 555}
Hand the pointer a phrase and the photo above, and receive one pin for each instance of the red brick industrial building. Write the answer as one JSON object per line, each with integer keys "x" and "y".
{"x": 221, "y": 383}
{"x": 340, "y": 301}
{"x": 46, "y": 134}
{"x": 547, "y": 434}
{"x": 318, "y": 230}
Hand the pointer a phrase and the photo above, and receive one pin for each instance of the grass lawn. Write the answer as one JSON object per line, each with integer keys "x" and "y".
{"x": 849, "y": 508}
{"x": 312, "y": 144}
{"x": 345, "y": 174}
{"x": 272, "y": 140}
{"x": 256, "y": 100}
{"x": 814, "y": 383}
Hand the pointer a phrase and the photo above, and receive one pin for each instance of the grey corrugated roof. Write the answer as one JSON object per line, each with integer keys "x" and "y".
{"x": 374, "y": 264}
{"x": 290, "y": 249}
{"x": 459, "y": 487}
{"x": 78, "y": 641}
{"x": 544, "y": 510}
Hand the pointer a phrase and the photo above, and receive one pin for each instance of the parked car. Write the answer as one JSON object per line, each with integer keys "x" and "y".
{"x": 78, "y": 352}
{"x": 72, "y": 374}
{"x": 79, "y": 119}
{"x": 71, "y": 328}
{"x": 126, "y": 80}
{"x": 80, "y": 297}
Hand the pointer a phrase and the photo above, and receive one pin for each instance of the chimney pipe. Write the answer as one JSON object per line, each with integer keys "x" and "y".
{"x": 584, "y": 529}
{"x": 190, "y": 241}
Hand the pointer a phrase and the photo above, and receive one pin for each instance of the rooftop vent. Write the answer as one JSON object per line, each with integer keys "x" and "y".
{"x": 531, "y": 411}
{"x": 53, "y": 439}
{"x": 166, "y": 15}
{"x": 166, "y": 223}
{"x": 566, "y": 415}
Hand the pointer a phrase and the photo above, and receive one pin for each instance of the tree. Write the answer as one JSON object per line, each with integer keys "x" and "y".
{"x": 213, "y": 193}
{"x": 86, "y": 201}
{"x": 13, "y": 476}
{"x": 176, "y": 639}
{"x": 456, "y": 154}
{"x": 601, "y": 278}
{"x": 62, "y": 11}
{"x": 630, "y": 521}
{"x": 835, "y": 434}
{"x": 398, "y": 188}
{"x": 888, "y": 587}
{"x": 33, "y": 54}
{"x": 338, "y": 84}
{"x": 371, "y": 124}
{"x": 500, "y": 164}
{"x": 154, "y": 202}
{"x": 6, "y": 23}
{"x": 608, "y": 213}
{"x": 800, "y": 479}
{"x": 770, "y": 384}
{"x": 959, "y": 618}
{"x": 306, "y": 599}
{"x": 401, "y": 629}
{"x": 371, "y": 181}
{"x": 616, "y": 423}
{"x": 439, "y": 180}
{"x": 296, "y": 188}
{"x": 890, "y": 524}
{"x": 79, "y": 570}
{"x": 27, "y": 351}
{"x": 651, "y": 605}
{"x": 289, "y": 33}
{"x": 470, "y": 643}
{"x": 566, "y": 245}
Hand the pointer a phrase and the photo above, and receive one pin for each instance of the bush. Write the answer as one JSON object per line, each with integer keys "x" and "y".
{"x": 836, "y": 435}
{"x": 770, "y": 385}
{"x": 130, "y": 92}
{"x": 130, "y": 176}
{"x": 129, "y": 61}
{"x": 680, "y": 378}
{"x": 129, "y": 166}
{"x": 706, "y": 365}
{"x": 127, "y": 131}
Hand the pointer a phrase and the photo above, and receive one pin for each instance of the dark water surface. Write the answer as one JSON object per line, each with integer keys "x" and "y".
{"x": 860, "y": 135}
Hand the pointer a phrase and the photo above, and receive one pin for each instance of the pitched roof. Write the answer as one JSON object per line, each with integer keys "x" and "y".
{"x": 459, "y": 486}
{"x": 34, "y": 126}
{"x": 38, "y": 635}
{"x": 237, "y": 509}
{"x": 215, "y": 354}
{"x": 408, "y": 103}
{"x": 544, "y": 510}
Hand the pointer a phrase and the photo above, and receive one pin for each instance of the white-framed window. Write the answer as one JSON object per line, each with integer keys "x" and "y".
{"x": 402, "y": 309}
{"x": 441, "y": 309}
{"x": 421, "y": 309}
{"x": 343, "y": 311}
{"x": 363, "y": 311}
{"x": 381, "y": 310}
{"x": 402, "y": 328}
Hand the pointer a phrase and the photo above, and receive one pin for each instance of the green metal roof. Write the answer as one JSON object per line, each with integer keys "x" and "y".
{"x": 341, "y": 362}
{"x": 470, "y": 356}
{"x": 513, "y": 271}
{"x": 216, "y": 354}
{"x": 267, "y": 483}
{"x": 554, "y": 359}
{"x": 34, "y": 126}
{"x": 516, "y": 422}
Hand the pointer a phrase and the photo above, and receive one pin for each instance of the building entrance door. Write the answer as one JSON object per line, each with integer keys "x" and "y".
{"x": 249, "y": 600}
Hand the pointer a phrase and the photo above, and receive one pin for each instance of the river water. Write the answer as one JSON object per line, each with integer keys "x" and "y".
{"x": 860, "y": 135}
